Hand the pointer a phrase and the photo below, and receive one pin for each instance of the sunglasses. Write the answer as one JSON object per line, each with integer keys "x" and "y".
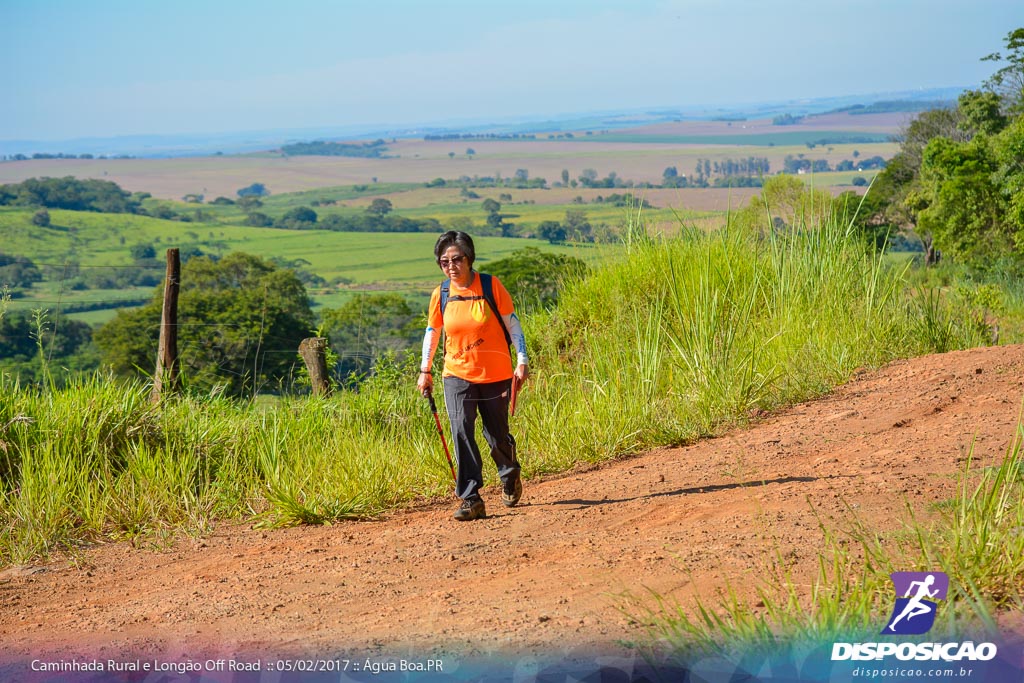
{"x": 454, "y": 261}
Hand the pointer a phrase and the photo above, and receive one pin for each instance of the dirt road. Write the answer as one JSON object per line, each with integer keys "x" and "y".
{"x": 547, "y": 577}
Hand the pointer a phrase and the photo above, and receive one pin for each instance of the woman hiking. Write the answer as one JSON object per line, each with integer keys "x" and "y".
{"x": 479, "y": 322}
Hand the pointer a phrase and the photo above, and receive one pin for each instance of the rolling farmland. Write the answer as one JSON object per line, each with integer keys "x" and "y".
{"x": 634, "y": 155}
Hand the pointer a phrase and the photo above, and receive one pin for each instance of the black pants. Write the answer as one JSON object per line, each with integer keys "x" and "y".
{"x": 463, "y": 400}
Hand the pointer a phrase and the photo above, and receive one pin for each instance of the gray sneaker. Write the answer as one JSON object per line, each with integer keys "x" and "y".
{"x": 470, "y": 510}
{"x": 512, "y": 491}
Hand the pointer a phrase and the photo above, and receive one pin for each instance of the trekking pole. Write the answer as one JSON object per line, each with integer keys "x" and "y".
{"x": 440, "y": 432}
{"x": 515, "y": 392}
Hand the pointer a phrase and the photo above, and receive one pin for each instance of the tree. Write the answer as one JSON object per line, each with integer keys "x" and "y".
{"x": 299, "y": 218}
{"x": 67, "y": 347}
{"x": 41, "y": 218}
{"x": 980, "y": 112}
{"x": 254, "y": 190}
{"x": 565, "y": 176}
{"x": 380, "y": 207}
{"x": 368, "y": 326}
{"x": 577, "y": 227}
{"x": 140, "y": 251}
{"x": 925, "y": 127}
{"x": 491, "y": 206}
{"x": 789, "y": 200}
{"x": 72, "y": 194}
{"x": 241, "y": 320}
{"x": 896, "y": 194}
{"x": 18, "y": 271}
{"x": 1008, "y": 82}
{"x": 249, "y": 203}
{"x": 451, "y": 155}
{"x": 534, "y": 278}
{"x": 862, "y": 214}
{"x": 259, "y": 220}
{"x": 552, "y": 231}
{"x": 1009, "y": 176}
{"x": 959, "y": 204}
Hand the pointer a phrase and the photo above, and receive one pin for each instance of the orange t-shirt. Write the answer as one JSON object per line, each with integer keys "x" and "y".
{"x": 474, "y": 344}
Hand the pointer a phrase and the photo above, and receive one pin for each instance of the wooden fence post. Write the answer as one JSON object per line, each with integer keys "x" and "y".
{"x": 165, "y": 378}
{"x": 314, "y": 352}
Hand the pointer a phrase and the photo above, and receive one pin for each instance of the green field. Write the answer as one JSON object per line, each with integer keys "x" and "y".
{"x": 837, "y": 178}
{"x": 401, "y": 262}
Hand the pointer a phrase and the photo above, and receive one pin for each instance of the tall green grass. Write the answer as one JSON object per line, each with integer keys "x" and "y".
{"x": 678, "y": 338}
{"x": 96, "y": 460}
{"x": 687, "y": 336}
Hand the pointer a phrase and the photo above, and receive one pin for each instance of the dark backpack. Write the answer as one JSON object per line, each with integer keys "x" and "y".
{"x": 488, "y": 289}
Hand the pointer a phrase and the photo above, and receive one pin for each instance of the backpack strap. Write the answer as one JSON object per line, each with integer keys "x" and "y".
{"x": 487, "y": 285}
{"x": 445, "y": 290}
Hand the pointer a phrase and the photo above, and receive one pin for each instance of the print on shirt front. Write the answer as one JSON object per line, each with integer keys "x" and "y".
{"x": 474, "y": 346}
{"x": 463, "y": 352}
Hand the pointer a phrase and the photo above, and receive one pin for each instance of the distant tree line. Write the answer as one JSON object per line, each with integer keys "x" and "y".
{"x": 374, "y": 223}
{"x": 480, "y": 136}
{"x": 890, "y": 106}
{"x": 746, "y": 172}
{"x": 61, "y": 155}
{"x": 623, "y": 199}
{"x": 520, "y": 180}
{"x": 371, "y": 150}
{"x": 575, "y": 227}
{"x": 787, "y": 120}
{"x": 376, "y": 218}
{"x": 71, "y": 194}
{"x": 798, "y": 164}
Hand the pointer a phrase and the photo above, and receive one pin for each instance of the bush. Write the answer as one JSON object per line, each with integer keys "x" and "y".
{"x": 254, "y": 190}
{"x": 143, "y": 251}
{"x": 259, "y": 220}
{"x": 41, "y": 218}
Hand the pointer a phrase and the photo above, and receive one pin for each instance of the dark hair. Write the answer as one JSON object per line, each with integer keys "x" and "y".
{"x": 455, "y": 238}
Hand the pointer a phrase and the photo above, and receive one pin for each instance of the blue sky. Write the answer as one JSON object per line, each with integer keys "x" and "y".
{"x": 76, "y": 68}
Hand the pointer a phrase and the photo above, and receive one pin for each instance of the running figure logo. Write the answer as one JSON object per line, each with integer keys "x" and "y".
{"x": 917, "y": 594}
